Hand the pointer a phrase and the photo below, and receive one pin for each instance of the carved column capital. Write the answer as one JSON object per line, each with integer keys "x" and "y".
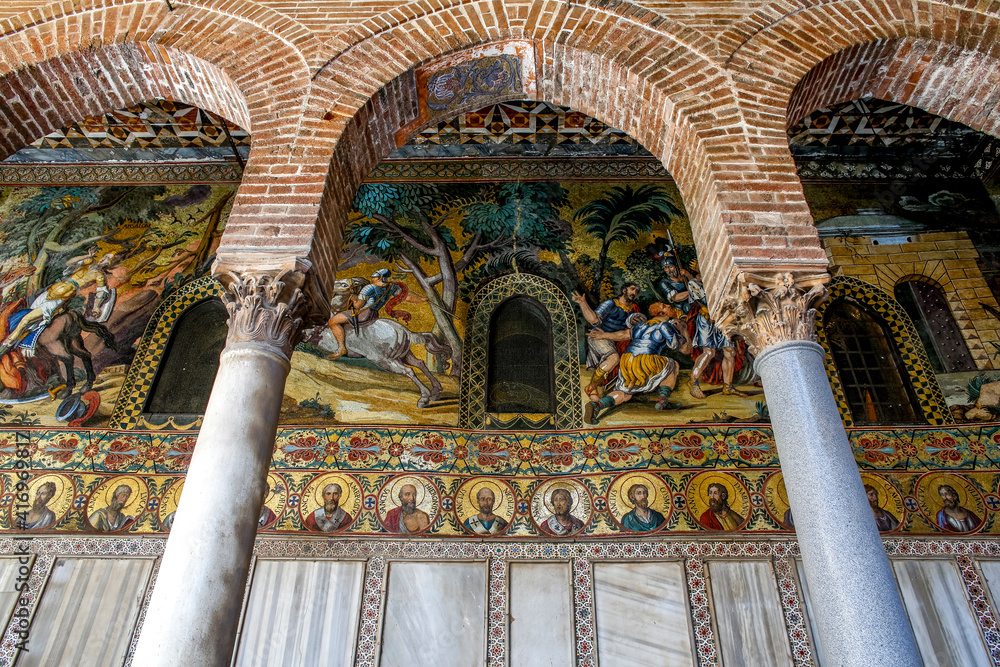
{"x": 263, "y": 308}
{"x": 768, "y": 310}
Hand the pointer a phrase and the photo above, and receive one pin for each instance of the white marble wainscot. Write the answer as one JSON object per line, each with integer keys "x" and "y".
{"x": 301, "y": 613}
{"x": 541, "y": 614}
{"x": 991, "y": 573}
{"x": 11, "y": 569}
{"x": 435, "y": 614}
{"x": 817, "y": 644}
{"x": 748, "y": 613}
{"x": 696, "y": 556}
{"x": 934, "y": 596}
{"x": 87, "y": 612}
{"x": 642, "y": 615}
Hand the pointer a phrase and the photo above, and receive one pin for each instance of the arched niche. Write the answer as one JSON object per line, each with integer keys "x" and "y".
{"x": 567, "y": 410}
{"x": 904, "y": 338}
{"x": 131, "y": 408}
{"x": 520, "y": 373}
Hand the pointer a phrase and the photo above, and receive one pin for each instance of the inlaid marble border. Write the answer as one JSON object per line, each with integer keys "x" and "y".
{"x": 497, "y": 628}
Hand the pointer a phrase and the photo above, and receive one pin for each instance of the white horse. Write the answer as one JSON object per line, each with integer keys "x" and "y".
{"x": 386, "y": 343}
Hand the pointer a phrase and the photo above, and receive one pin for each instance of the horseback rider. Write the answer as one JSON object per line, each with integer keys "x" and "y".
{"x": 364, "y": 307}
{"x": 26, "y": 325}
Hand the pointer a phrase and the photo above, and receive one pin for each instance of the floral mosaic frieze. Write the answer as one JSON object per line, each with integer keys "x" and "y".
{"x": 505, "y": 453}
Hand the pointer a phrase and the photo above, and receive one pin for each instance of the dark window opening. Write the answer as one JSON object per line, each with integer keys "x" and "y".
{"x": 927, "y": 307}
{"x": 187, "y": 372}
{"x": 870, "y": 369}
{"x": 520, "y": 374}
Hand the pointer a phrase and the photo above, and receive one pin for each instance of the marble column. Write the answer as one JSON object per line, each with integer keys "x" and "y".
{"x": 195, "y": 607}
{"x": 857, "y": 607}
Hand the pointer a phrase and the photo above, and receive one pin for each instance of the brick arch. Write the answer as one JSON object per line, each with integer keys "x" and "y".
{"x": 957, "y": 83}
{"x": 48, "y": 95}
{"x": 655, "y": 85}
{"x": 779, "y": 49}
{"x": 247, "y": 68}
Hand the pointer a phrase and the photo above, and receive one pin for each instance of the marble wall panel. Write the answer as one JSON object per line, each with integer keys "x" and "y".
{"x": 642, "y": 615}
{"x": 541, "y": 614}
{"x": 87, "y": 612}
{"x": 435, "y": 615}
{"x": 9, "y": 568}
{"x": 991, "y": 574}
{"x": 934, "y": 596}
{"x": 814, "y": 638}
{"x": 748, "y": 614}
{"x": 301, "y": 613}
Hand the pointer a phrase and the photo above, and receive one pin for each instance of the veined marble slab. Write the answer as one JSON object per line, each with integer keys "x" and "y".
{"x": 818, "y": 651}
{"x": 9, "y": 569}
{"x": 541, "y": 614}
{"x": 435, "y": 615}
{"x": 991, "y": 574}
{"x": 748, "y": 614}
{"x": 87, "y": 612}
{"x": 642, "y": 616}
{"x": 302, "y": 613}
{"x": 942, "y": 620}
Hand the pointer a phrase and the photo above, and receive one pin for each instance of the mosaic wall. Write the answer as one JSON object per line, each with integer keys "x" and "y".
{"x": 505, "y": 484}
{"x": 416, "y": 254}
{"x": 82, "y": 269}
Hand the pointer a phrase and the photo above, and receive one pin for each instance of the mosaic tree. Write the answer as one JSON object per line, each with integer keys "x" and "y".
{"x": 435, "y": 232}
{"x": 623, "y": 215}
{"x": 57, "y": 222}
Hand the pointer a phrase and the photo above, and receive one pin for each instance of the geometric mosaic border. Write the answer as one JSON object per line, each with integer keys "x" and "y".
{"x": 904, "y": 336}
{"x": 514, "y": 169}
{"x": 139, "y": 380}
{"x": 695, "y": 555}
{"x": 472, "y": 400}
{"x": 97, "y": 174}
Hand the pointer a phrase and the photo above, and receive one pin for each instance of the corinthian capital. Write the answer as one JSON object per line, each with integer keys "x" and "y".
{"x": 768, "y": 310}
{"x": 263, "y": 308}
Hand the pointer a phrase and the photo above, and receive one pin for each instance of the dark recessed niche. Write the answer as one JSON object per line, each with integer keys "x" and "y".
{"x": 187, "y": 371}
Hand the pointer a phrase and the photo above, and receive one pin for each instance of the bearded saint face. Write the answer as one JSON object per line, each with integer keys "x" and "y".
{"x": 331, "y": 498}
{"x": 120, "y": 499}
{"x": 639, "y": 496}
{"x": 408, "y": 498}
{"x": 718, "y": 498}
{"x": 486, "y": 500}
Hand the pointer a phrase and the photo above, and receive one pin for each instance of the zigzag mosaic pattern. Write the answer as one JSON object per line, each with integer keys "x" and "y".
{"x": 155, "y": 124}
{"x": 542, "y": 126}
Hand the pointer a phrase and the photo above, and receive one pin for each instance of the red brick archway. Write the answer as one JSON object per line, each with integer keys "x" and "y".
{"x": 946, "y": 80}
{"x": 932, "y": 54}
{"x": 98, "y": 55}
{"x": 640, "y": 73}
